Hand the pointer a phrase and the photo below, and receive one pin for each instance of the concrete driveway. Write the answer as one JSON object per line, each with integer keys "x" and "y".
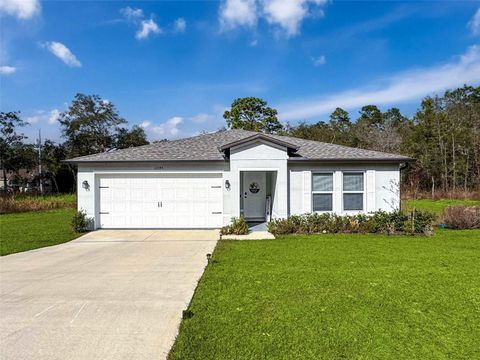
{"x": 107, "y": 295}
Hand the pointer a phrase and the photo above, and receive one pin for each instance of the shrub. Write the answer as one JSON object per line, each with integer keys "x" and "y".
{"x": 462, "y": 217}
{"x": 80, "y": 222}
{"x": 237, "y": 227}
{"x": 379, "y": 222}
{"x": 388, "y": 222}
{"x": 281, "y": 226}
{"x": 420, "y": 222}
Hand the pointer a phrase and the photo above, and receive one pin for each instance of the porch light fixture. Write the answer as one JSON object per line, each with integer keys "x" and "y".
{"x": 85, "y": 185}
{"x": 227, "y": 184}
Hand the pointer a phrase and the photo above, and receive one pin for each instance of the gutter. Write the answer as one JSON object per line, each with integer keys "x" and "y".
{"x": 401, "y": 160}
{"x": 404, "y": 161}
{"x": 133, "y": 161}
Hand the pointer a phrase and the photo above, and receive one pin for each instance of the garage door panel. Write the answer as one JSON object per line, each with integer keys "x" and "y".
{"x": 200, "y": 207}
{"x": 200, "y": 221}
{"x": 160, "y": 201}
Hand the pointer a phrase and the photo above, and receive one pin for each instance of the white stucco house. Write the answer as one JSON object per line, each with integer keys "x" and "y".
{"x": 204, "y": 181}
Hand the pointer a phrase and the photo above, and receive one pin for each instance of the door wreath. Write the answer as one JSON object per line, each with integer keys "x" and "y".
{"x": 254, "y": 188}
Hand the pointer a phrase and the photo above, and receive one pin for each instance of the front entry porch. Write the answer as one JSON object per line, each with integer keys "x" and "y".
{"x": 257, "y": 196}
{"x": 257, "y": 226}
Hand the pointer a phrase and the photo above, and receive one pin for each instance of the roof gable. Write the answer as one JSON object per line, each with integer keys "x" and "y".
{"x": 256, "y": 137}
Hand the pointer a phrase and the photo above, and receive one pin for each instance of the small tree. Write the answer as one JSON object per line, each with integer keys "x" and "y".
{"x": 134, "y": 137}
{"x": 90, "y": 125}
{"x": 10, "y": 142}
{"x": 341, "y": 127}
{"x": 252, "y": 114}
{"x": 52, "y": 156}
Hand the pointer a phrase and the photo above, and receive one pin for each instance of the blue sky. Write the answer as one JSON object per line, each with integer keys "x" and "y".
{"x": 175, "y": 66}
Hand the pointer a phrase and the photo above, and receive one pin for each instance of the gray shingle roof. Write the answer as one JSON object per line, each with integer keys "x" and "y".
{"x": 206, "y": 148}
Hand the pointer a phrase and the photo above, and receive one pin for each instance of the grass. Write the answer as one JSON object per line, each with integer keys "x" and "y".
{"x": 436, "y": 206}
{"x": 31, "y": 230}
{"x": 66, "y": 198}
{"x": 25, "y": 202}
{"x": 338, "y": 297}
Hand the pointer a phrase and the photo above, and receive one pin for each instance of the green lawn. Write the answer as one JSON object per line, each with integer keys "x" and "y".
{"x": 31, "y": 230}
{"x": 338, "y": 297}
{"x": 436, "y": 206}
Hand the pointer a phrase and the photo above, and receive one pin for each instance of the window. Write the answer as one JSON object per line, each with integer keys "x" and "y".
{"x": 353, "y": 190}
{"x": 322, "y": 191}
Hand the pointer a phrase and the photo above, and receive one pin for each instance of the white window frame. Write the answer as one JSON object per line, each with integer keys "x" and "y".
{"x": 363, "y": 192}
{"x": 332, "y": 192}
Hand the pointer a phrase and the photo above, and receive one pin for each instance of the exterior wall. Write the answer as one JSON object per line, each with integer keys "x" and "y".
{"x": 257, "y": 156}
{"x": 293, "y": 185}
{"x": 86, "y": 198}
{"x": 381, "y": 186}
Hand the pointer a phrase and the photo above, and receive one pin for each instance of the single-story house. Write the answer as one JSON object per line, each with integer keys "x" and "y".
{"x": 205, "y": 180}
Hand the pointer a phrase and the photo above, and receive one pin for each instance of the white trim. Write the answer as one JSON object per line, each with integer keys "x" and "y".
{"x": 239, "y": 173}
{"x": 258, "y": 169}
{"x": 99, "y": 175}
{"x": 157, "y": 172}
{"x": 332, "y": 192}
{"x": 248, "y": 144}
{"x": 363, "y": 192}
{"x": 370, "y": 180}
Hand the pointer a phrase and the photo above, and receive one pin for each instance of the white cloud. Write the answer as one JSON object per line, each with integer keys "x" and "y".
{"x": 201, "y": 118}
{"x": 22, "y": 9}
{"x": 289, "y": 14}
{"x": 132, "y": 14}
{"x": 234, "y": 13}
{"x": 43, "y": 116}
{"x": 474, "y": 24}
{"x": 53, "y": 116}
{"x": 63, "y": 53}
{"x": 319, "y": 60}
{"x": 180, "y": 25}
{"x": 7, "y": 70}
{"x": 34, "y": 118}
{"x": 144, "y": 124}
{"x": 169, "y": 127}
{"x": 405, "y": 86}
{"x": 147, "y": 27}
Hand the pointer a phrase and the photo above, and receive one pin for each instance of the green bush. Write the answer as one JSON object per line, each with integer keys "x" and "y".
{"x": 378, "y": 222}
{"x": 281, "y": 226}
{"x": 238, "y": 227}
{"x": 419, "y": 222}
{"x": 388, "y": 222}
{"x": 80, "y": 222}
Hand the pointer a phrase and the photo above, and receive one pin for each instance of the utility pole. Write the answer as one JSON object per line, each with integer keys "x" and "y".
{"x": 40, "y": 160}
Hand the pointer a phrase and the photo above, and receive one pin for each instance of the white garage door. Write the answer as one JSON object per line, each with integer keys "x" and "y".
{"x": 167, "y": 201}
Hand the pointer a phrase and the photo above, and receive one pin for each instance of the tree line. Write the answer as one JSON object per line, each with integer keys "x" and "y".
{"x": 90, "y": 125}
{"x": 443, "y": 136}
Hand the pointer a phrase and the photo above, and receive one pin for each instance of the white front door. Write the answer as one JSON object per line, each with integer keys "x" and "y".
{"x": 254, "y": 194}
{"x": 161, "y": 201}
